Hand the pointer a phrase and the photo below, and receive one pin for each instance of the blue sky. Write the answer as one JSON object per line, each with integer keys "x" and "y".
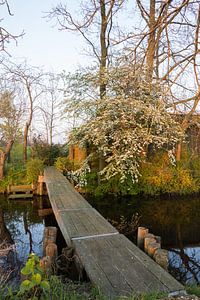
{"x": 43, "y": 44}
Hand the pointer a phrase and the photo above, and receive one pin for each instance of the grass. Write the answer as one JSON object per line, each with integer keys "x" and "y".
{"x": 193, "y": 290}
{"x": 84, "y": 291}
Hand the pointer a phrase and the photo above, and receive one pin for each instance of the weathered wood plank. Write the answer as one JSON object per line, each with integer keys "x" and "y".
{"x": 115, "y": 256}
{"x": 163, "y": 276}
{"x": 61, "y": 192}
{"x": 20, "y": 188}
{"x": 83, "y": 223}
{"x": 53, "y": 175}
{"x": 20, "y": 196}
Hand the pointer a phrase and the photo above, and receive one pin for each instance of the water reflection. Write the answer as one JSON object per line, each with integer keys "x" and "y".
{"x": 24, "y": 225}
{"x": 185, "y": 264}
{"x": 177, "y": 221}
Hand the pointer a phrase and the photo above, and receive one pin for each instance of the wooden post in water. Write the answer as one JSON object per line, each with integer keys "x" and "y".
{"x": 45, "y": 212}
{"x": 148, "y": 239}
{"x": 50, "y": 234}
{"x": 142, "y": 232}
{"x": 152, "y": 247}
{"x": 40, "y": 184}
{"x": 161, "y": 257}
{"x": 52, "y": 250}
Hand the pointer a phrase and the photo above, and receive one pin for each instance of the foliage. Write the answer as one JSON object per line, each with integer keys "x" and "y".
{"x": 15, "y": 175}
{"x": 193, "y": 289}
{"x": 35, "y": 283}
{"x": 9, "y": 117}
{"x": 125, "y": 122}
{"x": 80, "y": 90}
{"x": 34, "y": 168}
{"x": 44, "y": 151}
{"x": 110, "y": 186}
{"x": 63, "y": 164}
{"x": 160, "y": 176}
{"x": 16, "y": 155}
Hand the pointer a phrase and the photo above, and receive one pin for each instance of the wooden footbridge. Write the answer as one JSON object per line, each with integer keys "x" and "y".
{"x": 113, "y": 263}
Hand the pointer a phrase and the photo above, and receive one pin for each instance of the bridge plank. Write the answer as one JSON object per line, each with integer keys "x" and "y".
{"x": 83, "y": 223}
{"x": 112, "y": 262}
{"x": 61, "y": 192}
{"x": 115, "y": 256}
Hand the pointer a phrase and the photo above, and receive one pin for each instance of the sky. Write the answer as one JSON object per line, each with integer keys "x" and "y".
{"x": 42, "y": 44}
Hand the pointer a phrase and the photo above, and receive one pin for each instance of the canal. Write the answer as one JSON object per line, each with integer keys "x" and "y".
{"x": 176, "y": 220}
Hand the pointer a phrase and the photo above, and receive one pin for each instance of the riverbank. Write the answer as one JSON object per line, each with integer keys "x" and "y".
{"x": 70, "y": 290}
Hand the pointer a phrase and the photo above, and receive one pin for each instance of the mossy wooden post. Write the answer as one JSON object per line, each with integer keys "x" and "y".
{"x": 8, "y": 189}
{"x": 161, "y": 257}
{"x": 147, "y": 241}
{"x": 142, "y": 232}
{"x": 149, "y": 238}
{"x": 50, "y": 234}
{"x": 152, "y": 247}
{"x": 52, "y": 251}
{"x": 40, "y": 184}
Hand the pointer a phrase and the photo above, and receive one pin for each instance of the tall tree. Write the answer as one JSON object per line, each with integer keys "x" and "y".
{"x": 50, "y": 106}
{"x": 171, "y": 36}
{"x": 96, "y": 21}
{"x": 10, "y": 116}
{"x": 29, "y": 80}
{"x": 130, "y": 120}
{"x": 5, "y": 36}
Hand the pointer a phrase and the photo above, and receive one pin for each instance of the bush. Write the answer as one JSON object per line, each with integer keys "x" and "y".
{"x": 35, "y": 283}
{"x": 110, "y": 186}
{"x": 34, "y": 168}
{"x": 47, "y": 153}
{"x": 15, "y": 175}
{"x": 63, "y": 164}
{"x": 160, "y": 176}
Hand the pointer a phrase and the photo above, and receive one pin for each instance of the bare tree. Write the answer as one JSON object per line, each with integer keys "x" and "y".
{"x": 5, "y": 36}
{"x": 96, "y": 21}
{"x": 50, "y": 106}
{"x": 10, "y": 116}
{"x": 168, "y": 45}
{"x": 29, "y": 81}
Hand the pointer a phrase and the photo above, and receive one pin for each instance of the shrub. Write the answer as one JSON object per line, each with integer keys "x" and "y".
{"x": 34, "y": 168}
{"x": 42, "y": 150}
{"x": 63, "y": 164}
{"x": 160, "y": 176}
{"x": 15, "y": 175}
{"x": 35, "y": 283}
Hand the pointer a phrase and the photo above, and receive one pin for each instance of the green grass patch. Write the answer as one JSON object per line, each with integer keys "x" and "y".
{"x": 193, "y": 290}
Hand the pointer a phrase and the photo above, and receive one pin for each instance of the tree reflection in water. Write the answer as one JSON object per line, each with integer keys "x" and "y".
{"x": 185, "y": 264}
{"x": 24, "y": 225}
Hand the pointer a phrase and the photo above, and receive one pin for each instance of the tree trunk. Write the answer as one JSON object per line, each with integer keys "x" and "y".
{"x": 3, "y": 156}
{"x": 178, "y": 151}
{"x": 25, "y": 142}
{"x": 104, "y": 51}
{"x": 151, "y": 42}
{"x": 28, "y": 123}
{"x": 2, "y": 164}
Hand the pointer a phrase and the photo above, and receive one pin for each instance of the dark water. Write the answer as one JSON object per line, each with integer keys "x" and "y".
{"x": 25, "y": 227}
{"x": 177, "y": 221}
